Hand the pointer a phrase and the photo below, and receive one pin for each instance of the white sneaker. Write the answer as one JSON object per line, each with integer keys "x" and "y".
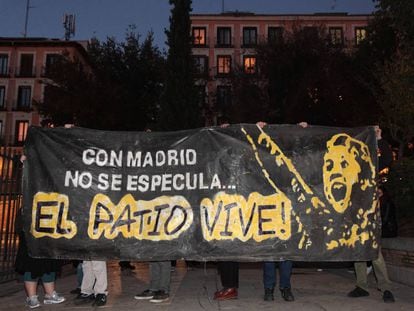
{"x": 53, "y": 299}
{"x": 32, "y": 302}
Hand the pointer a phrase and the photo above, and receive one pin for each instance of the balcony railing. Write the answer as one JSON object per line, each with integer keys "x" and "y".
{"x": 24, "y": 107}
{"x": 202, "y": 45}
{"x": 26, "y": 72}
{"x": 221, "y": 44}
{"x": 5, "y": 72}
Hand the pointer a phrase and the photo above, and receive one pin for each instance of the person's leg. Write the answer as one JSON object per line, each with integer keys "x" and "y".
{"x": 79, "y": 274}
{"x": 361, "y": 289}
{"x": 164, "y": 282}
{"x": 380, "y": 270}
{"x": 269, "y": 274}
{"x": 269, "y": 279}
{"x": 30, "y": 287}
{"x": 229, "y": 274}
{"x": 101, "y": 276}
{"x": 361, "y": 274}
{"x": 285, "y": 271}
{"x": 51, "y": 297}
{"x": 88, "y": 279}
{"x": 30, "y": 284}
{"x": 165, "y": 276}
{"x": 155, "y": 276}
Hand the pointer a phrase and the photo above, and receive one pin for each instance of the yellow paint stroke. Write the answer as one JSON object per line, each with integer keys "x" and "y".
{"x": 163, "y": 218}
{"x": 50, "y": 216}
{"x": 231, "y": 216}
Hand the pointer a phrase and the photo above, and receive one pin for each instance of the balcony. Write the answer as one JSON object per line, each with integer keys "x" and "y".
{"x": 23, "y": 107}
{"x": 197, "y": 45}
{"x": 23, "y": 72}
{"x": 5, "y": 72}
{"x": 223, "y": 43}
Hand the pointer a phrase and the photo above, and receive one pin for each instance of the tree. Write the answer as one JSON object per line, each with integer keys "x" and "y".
{"x": 180, "y": 102}
{"x": 388, "y": 58}
{"x": 303, "y": 76}
{"x": 121, "y": 91}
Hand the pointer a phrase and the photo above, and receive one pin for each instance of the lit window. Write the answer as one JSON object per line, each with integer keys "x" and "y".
{"x": 223, "y": 64}
{"x": 4, "y": 63}
{"x": 249, "y": 36}
{"x": 199, "y": 36}
{"x": 21, "y": 131}
{"x": 223, "y": 36}
{"x": 249, "y": 64}
{"x": 336, "y": 35}
{"x": 360, "y": 34}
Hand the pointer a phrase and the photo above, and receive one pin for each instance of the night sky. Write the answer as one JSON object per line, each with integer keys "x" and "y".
{"x": 102, "y": 18}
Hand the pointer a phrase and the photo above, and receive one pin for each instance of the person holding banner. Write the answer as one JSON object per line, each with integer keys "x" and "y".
{"x": 379, "y": 266}
{"x": 94, "y": 283}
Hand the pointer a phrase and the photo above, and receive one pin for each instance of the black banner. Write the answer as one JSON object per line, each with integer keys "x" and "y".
{"x": 237, "y": 193}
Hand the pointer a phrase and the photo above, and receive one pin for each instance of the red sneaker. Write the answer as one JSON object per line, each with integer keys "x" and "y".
{"x": 226, "y": 293}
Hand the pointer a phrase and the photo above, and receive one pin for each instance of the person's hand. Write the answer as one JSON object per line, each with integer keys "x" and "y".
{"x": 303, "y": 124}
{"x": 22, "y": 158}
{"x": 224, "y": 125}
{"x": 261, "y": 124}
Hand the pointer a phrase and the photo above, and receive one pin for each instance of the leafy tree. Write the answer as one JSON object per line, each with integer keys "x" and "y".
{"x": 180, "y": 102}
{"x": 304, "y": 77}
{"x": 118, "y": 90}
{"x": 387, "y": 61}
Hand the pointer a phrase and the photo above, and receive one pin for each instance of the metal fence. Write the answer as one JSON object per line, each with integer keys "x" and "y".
{"x": 10, "y": 202}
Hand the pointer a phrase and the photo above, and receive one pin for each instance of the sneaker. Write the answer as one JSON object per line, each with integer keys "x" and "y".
{"x": 84, "y": 298}
{"x": 388, "y": 297}
{"x": 100, "y": 300}
{"x": 146, "y": 294}
{"x": 53, "y": 299}
{"x": 287, "y": 294}
{"x": 358, "y": 292}
{"x": 268, "y": 296}
{"x": 160, "y": 296}
{"x": 32, "y": 302}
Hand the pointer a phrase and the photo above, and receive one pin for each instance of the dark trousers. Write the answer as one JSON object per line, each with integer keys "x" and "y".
{"x": 269, "y": 274}
{"x": 229, "y": 273}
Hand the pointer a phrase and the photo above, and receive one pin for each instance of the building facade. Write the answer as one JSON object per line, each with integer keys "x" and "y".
{"x": 23, "y": 66}
{"x": 222, "y": 42}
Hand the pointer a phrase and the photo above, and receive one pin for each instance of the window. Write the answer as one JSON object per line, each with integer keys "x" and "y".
{"x": 201, "y": 64}
{"x": 336, "y": 36}
{"x": 1, "y": 131}
{"x": 274, "y": 34}
{"x": 224, "y": 36}
{"x": 26, "y": 65}
{"x": 360, "y": 35}
{"x": 4, "y": 63}
{"x": 21, "y": 131}
{"x": 201, "y": 92}
{"x": 24, "y": 97}
{"x": 249, "y": 64}
{"x": 249, "y": 36}
{"x": 223, "y": 96}
{"x": 2, "y": 97}
{"x": 223, "y": 64}
{"x": 50, "y": 60}
{"x": 199, "y": 36}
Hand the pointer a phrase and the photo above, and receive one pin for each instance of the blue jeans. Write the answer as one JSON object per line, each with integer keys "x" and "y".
{"x": 269, "y": 274}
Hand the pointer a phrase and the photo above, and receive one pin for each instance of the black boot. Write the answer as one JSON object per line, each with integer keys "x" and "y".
{"x": 268, "y": 296}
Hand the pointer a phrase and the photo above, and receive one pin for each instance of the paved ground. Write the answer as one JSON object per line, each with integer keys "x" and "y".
{"x": 193, "y": 290}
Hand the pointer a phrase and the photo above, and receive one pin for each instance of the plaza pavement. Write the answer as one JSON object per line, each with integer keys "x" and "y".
{"x": 316, "y": 287}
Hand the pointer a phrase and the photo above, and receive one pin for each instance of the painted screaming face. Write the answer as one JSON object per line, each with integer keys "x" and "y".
{"x": 340, "y": 171}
